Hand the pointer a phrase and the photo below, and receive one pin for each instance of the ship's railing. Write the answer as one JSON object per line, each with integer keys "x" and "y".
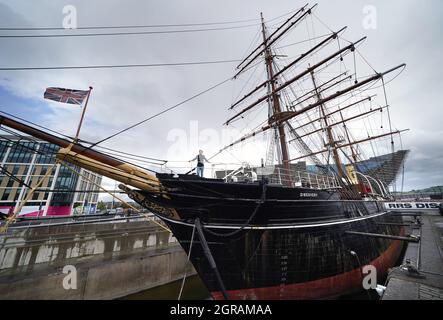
{"x": 186, "y": 167}
{"x": 279, "y": 175}
{"x": 306, "y": 179}
{"x": 377, "y": 187}
{"x": 244, "y": 172}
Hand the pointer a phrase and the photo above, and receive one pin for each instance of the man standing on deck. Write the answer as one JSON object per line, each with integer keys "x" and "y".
{"x": 200, "y": 163}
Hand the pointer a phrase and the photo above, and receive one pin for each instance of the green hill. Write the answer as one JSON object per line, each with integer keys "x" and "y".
{"x": 434, "y": 189}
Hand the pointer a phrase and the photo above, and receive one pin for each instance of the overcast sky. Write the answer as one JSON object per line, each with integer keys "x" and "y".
{"x": 406, "y": 31}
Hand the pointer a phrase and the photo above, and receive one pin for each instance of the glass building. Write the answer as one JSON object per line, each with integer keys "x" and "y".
{"x": 24, "y": 162}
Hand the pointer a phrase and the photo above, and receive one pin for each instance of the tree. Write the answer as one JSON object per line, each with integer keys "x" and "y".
{"x": 124, "y": 205}
{"x": 101, "y": 206}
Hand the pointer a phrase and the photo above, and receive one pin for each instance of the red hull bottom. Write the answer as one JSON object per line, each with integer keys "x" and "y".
{"x": 325, "y": 288}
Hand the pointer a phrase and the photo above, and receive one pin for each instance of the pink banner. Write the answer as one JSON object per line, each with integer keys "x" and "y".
{"x": 33, "y": 211}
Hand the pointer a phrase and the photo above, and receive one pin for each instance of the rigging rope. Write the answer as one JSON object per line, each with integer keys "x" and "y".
{"x": 125, "y": 26}
{"x": 36, "y": 187}
{"x": 54, "y": 153}
{"x": 113, "y": 195}
{"x": 143, "y": 26}
{"x": 12, "y": 218}
{"x": 71, "y": 138}
{"x": 189, "y": 63}
{"x": 12, "y": 176}
{"x": 246, "y": 223}
{"x": 124, "y": 33}
{"x": 187, "y": 262}
{"x": 161, "y": 112}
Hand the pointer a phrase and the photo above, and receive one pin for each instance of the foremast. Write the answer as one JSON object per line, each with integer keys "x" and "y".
{"x": 275, "y": 99}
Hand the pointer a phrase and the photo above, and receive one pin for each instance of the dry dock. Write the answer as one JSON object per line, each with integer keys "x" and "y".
{"x": 112, "y": 259}
{"x": 420, "y": 277}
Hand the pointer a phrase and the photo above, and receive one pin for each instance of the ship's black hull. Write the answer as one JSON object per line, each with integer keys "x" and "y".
{"x": 292, "y": 263}
{"x": 272, "y": 242}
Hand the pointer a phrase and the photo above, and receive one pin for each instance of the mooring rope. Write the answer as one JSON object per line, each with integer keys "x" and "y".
{"x": 186, "y": 265}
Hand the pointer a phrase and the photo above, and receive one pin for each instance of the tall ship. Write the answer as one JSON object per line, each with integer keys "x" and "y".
{"x": 280, "y": 230}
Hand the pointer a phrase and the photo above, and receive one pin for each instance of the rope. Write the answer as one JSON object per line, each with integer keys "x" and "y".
{"x": 109, "y": 66}
{"x": 193, "y": 24}
{"x": 71, "y": 138}
{"x": 95, "y": 34}
{"x": 113, "y": 195}
{"x": 54, "y": 153}
{"x": 49, "y": 171}
{"x": 403, "y": 167}
{"x": 21, "y": 182}
{"x": 12, "y": 218}
{"x": 186, "y": 265}
{"x": 161, "y": 112}
{"x": 262, "y": 200}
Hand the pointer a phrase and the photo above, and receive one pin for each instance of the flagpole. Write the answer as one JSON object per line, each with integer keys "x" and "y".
{"x": 83, "y": 115}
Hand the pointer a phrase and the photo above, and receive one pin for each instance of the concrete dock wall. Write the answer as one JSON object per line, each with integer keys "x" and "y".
{"x": 109, "y": 259}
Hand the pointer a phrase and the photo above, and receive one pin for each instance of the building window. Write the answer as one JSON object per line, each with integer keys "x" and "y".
{"x": 3, "y": 147}
{"x": 22, "y": 153}
{"x": 6, "y": 194}
{"x": 20, "y": 157}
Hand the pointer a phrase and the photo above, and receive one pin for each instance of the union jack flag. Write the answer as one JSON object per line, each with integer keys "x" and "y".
{"x": 65, "y": 95}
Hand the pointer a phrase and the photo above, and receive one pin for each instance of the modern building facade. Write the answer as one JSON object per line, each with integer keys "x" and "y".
{"x": 385, "y": 168}
{"x": 25, "y": 161}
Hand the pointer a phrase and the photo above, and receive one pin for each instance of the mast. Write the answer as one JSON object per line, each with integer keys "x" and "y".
{"x": 314, "y": 95}
{"x": 348, "y": 137}
{"x": 289, "y": 115}
{"x": 275, "y": 97}
{"x": 267, "y": 42}
{"x": 293, "y": 63}
{"x": 297, "y": 77}
{"x": 279, "y": 116}
{"x": 331, "y": 142}
{"x": 353, "y": 143}
{"x": 334, "y": 112}
{"x": 341, "y": 121}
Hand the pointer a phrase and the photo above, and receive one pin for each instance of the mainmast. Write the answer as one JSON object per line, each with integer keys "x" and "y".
{"x": 276, "y": 107}
{"x": 331, "y": 142}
